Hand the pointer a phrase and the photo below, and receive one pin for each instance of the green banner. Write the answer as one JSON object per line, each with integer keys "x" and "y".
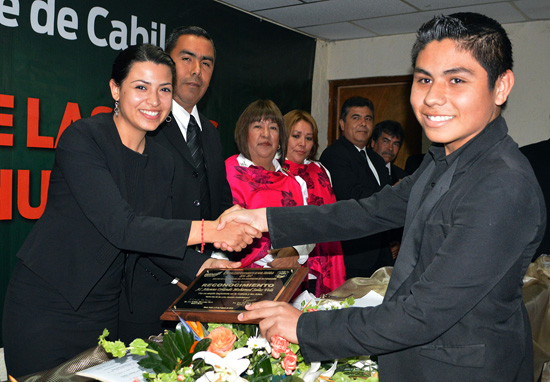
{"x": 55, "y": 65}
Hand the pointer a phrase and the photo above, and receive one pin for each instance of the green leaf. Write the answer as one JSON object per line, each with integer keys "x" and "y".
{"x": 183, "y": 342}
{"x": 263, "y": 367}
{"x": 138, "y": 346}
{"x": 157, "y": 361}
{"x": 117, "y": 348}
{"x": 169, "y": 345}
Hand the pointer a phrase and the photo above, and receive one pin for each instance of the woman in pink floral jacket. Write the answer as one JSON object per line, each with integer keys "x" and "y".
{"x": 257, "y": 179}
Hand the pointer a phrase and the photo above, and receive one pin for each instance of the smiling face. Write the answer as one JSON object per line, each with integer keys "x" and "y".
{"x": 300, "y": 142}
{"x": 357, "y": 127}
{"x": 450, "y": 94}
{"x": 194, "y": 58}
{"x": 263, "y": 141}
{"x": 145, "y": 99}
{"x": 386, "y": 146}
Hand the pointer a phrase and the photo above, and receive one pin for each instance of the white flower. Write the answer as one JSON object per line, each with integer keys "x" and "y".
{"x": 228, "y": 368}
{"x": 258, "y": 343}
{"x": 312, "y": 373}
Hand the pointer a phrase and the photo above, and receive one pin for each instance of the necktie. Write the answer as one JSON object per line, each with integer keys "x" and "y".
{"x": 195, "y": 147}
{"x": 371, "y": 166}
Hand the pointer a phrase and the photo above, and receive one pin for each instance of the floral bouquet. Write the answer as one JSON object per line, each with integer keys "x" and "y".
{"x": 236, "y": 352}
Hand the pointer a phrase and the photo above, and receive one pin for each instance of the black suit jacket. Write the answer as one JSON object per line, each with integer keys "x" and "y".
{"x": 352, "y": 178}
{"x": 153, "y": 291}
{"x": 87, "y": 205}
{"x": 453, "y": 310}
{"x": 186, "y": 188}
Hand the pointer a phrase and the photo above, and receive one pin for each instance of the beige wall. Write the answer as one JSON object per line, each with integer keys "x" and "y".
{"x": 528, "y": 112}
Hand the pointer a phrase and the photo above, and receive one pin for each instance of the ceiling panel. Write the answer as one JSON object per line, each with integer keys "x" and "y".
{"x": 334, "y": 20}
{"x": 333, "y": 11}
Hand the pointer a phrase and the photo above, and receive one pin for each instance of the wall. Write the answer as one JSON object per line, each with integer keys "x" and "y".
{"x": 528, "y": 112}
{"x": 55, "y": 65}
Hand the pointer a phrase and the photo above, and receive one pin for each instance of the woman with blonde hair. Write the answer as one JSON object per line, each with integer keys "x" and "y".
{"x": 325, "y": 262}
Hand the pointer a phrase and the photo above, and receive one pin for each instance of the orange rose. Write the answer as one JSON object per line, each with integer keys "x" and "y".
{"x": 222, "y": 341}
{"x": 289, "y": 362}
{"x": 278, "y": 346}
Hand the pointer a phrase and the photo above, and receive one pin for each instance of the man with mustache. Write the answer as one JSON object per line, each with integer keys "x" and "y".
{"x": 200, "y": 190}
{"x": 387, "y": 139}
{"x": 358, "y": 172}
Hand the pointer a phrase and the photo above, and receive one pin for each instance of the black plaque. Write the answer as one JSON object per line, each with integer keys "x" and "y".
{"x": 219, "y": 295}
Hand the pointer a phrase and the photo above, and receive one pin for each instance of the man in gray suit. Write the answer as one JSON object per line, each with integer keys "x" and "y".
{"x": 473, "y": 217}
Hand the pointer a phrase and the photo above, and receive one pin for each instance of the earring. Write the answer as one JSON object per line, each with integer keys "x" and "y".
{"x": 168, "y": 119}
{"x": 117, "y": 110}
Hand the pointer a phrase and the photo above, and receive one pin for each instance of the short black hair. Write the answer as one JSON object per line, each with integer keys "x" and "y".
{"x": 392, "y": 128}
{"x": 172, "y": 40}
{"x": 355, "y": 102}
{"x": 140, "y": 53}
{"x": 478, "y": 34}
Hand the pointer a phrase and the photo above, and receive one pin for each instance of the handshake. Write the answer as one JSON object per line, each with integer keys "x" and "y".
{"x": 232, "y": 231}
{"x": 238, "y": 227}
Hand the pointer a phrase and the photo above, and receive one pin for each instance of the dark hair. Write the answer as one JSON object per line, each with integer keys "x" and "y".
{"x": 293, "y": 117}
{"x": 480, "y": 35}
{"x": 255, "y": 112}
{"x": 172, "y": 40}
{"x": 392, "y": 128}
{"x": 140, "y": 53}
{"x": 355, "y": 102}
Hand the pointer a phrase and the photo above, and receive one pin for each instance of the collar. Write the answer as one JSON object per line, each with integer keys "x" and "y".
{"x": 494, "y": 132}
{"x": 245, "y": 162}
{"x": 182, "y": 116}
{"x": 306, "y": 161}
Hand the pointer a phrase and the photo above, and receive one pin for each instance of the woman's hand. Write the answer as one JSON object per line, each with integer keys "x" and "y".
{"x": 234, "y": 236}
{"x": 218, "y": 263}
{"x": 285, "y": 258}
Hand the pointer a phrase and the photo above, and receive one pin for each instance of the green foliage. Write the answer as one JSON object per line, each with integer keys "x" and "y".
{"x": 116, "y": 348}
{"x": 175, "y": 352}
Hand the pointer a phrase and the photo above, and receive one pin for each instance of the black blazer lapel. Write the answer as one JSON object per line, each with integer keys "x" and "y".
{"x": 361, "y": 161}
{"x": 173, "y": 133}
{"x": 417, "y": 213}
{"x": 380, "y": 166}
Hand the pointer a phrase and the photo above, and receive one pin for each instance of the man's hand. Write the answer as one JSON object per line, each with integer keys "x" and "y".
{"x": 285, "y": 258}
{"x": 218, "y": 263}
{"x": 276, "y": 318}
{"x": 252, "y": 222}
{"x": 255, "y": 218}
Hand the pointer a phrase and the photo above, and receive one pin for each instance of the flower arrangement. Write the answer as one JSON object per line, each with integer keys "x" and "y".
{"x": 234, "y": 353}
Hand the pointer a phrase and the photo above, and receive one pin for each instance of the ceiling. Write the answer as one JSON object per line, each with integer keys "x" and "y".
{"x": 334, "y": 20}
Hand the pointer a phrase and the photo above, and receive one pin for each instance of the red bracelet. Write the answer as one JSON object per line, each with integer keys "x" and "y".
{"x": 202, "y": 236}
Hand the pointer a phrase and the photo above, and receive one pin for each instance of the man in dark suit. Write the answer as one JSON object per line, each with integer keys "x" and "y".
{"x": 200, "y": 189}
{"x": 473, "y": 214}
{"x": 387, "y": 139}
{"x": 358, "y": 172}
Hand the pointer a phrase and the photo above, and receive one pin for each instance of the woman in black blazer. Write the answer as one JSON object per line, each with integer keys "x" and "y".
{"x": 108, "y": 201}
